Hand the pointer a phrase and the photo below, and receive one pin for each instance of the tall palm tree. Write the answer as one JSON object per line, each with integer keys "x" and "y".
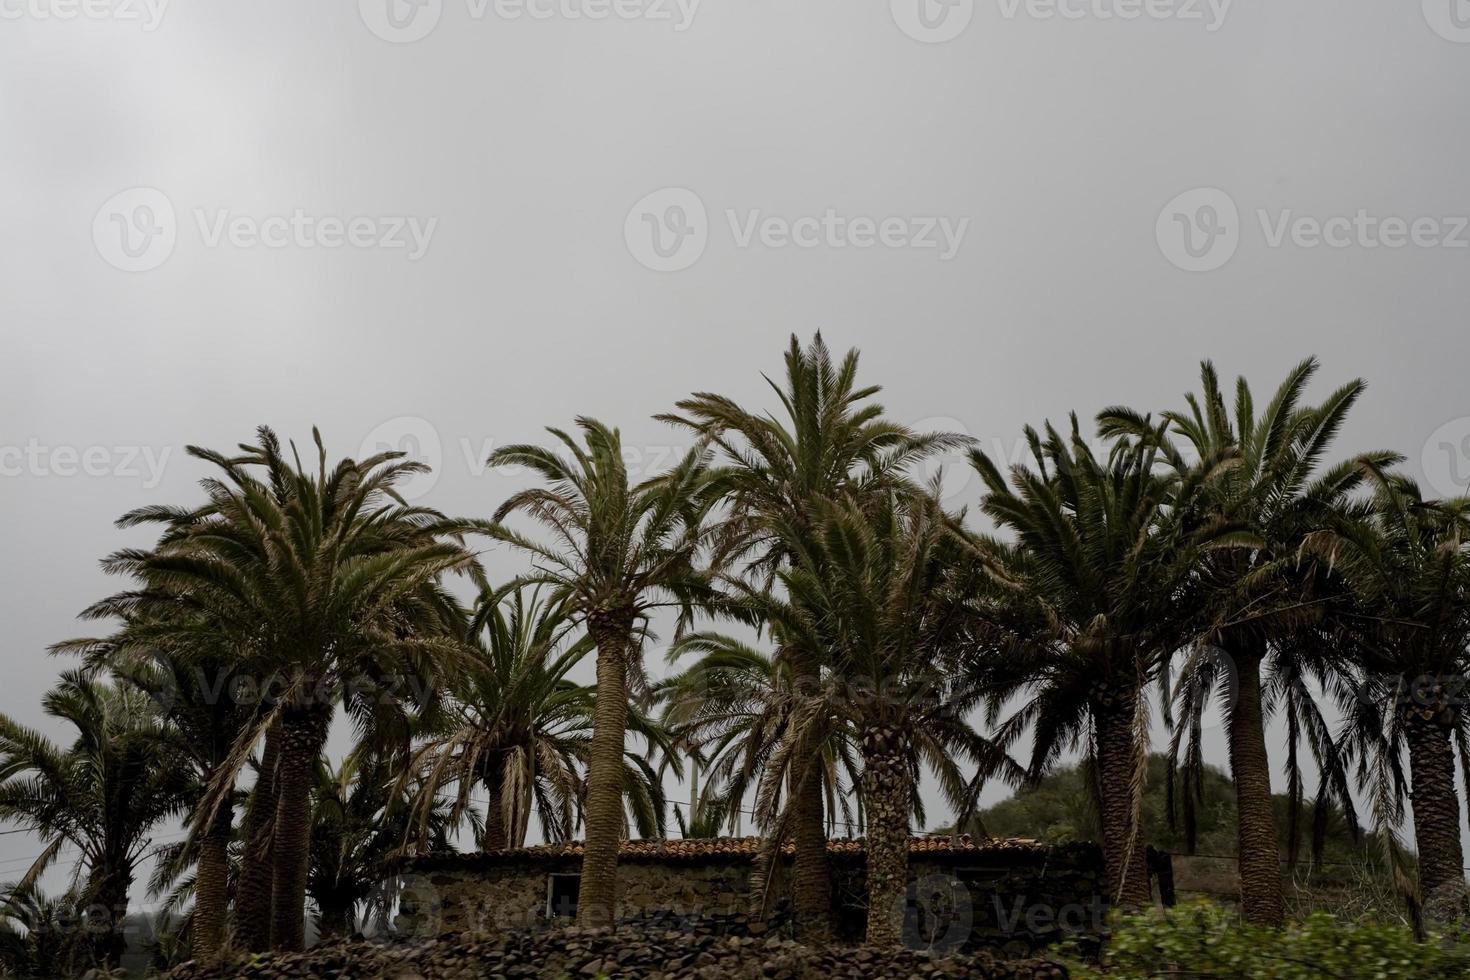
{"x": 1258, "y": 596}
{"x": 519, "y": 728}
{"x": 831, "y": 440}
{"x": 1100, "y": 586}
{"x": 333, "y": 587}
{"x": 620, "y": 552}
{"x": 102, "y": 795}
{"x": 889, "y": 590}
{"x": 253, "y": 890}
{"x": 200, "y": 706}
{"x": 194, "y": 684}
{"x": 1406, "y": 563}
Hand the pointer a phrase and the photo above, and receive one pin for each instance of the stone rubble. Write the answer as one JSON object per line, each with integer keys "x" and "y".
{"x": 589, "y": 954}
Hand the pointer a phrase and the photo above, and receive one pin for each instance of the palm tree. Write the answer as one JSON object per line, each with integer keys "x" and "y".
{"x": 890, "y": 591}
{"x": 35, "y": 935}
{"x": 102, "y": 795}
{"x": 1405, "y": 561}
{"x": 253, "y": 908}
{"x": 194, "y": 685}
{"x": 620, "y": 553}
{"x": 332, "y": 586}
{"x": 1259, "y": 596}
{"x": 831, "y": 441}
{"x": 520, "y": 729}
{"x": 199, "y": 703}
{"x": 730, "y": 710}
{"x": 1099, "y": 590}
{"x": 359, "y": 822}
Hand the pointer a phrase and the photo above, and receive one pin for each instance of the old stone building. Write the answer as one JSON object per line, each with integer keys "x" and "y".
{"x": 964, "y": 893}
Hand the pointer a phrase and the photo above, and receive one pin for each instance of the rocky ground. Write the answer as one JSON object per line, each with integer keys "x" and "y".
{"x": 585, "y": 954}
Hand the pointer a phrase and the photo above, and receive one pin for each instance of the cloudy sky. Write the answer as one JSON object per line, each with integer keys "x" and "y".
{"x": 443, "y": 224}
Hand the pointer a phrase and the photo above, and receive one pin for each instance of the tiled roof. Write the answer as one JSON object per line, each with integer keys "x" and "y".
{"x": 737, "y": 848}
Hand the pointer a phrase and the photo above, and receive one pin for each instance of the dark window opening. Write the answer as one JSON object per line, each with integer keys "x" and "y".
{"x": 561, "y": 896}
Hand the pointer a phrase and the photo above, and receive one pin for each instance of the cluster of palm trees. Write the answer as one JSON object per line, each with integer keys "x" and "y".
{"x": 839, "y": 634}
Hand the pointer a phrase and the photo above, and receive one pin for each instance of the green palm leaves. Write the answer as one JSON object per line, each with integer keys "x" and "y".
{"x": 100, "y": 796}
{"x": 1407, "y": 571}
{"x": 322, "y": 586}
{"x": 1096, "y": 592}
{"x": 1259, "y": 601}
{"x": 872, "y": 630}
{"x": 831, "y": 444}
{"x": 517, "y": 728}
{"x": 618, "y": 552}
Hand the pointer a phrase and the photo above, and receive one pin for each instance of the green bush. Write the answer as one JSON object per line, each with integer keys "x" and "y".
{"x": 1202, "y": 940}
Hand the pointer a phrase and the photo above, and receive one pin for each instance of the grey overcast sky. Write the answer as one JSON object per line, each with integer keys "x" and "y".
{"x": 443, "y": 224}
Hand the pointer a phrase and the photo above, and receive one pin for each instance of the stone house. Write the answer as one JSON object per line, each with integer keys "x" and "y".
{"x": 965, "y": 893}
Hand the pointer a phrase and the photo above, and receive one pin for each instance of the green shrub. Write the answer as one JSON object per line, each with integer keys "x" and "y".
{"x": 1202, "y": 940}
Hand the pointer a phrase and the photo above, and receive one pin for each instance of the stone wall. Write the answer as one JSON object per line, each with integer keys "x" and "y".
{"x": 1015, "y": 901}
{"x": 489, "y": 898}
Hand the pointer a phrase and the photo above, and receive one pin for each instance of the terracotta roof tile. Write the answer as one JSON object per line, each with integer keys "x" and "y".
{"x": 736, "y": 847}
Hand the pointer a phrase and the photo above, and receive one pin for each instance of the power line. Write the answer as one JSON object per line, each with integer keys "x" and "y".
{"x": 15, "y": 862}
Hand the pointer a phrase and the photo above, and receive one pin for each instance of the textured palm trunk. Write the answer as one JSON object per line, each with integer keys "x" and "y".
{"x": 212, "y": 882}
{"x": 253, "y": 892}
{"x": 301, "y": 745}
{"x": 1436, "y": 817}
{"x": 597, "y": 901}
{"x": 1262, "y": 898}
{"x": 106, "y": 917}
{"x": 497, "y": 837}
{"x": 887, "y": 800}
{"x": 1118, "y": 761}
{"x": 811, "y": 890}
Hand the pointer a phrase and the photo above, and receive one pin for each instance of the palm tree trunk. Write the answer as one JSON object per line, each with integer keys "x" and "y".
{"x": 106, "y": 917}
{"x": 887, "y": 800}
{"x": 212, "y": 883}
{"x": 597, "y": 902}
{"x": 1436, "y": 816}
{"x": 302, "y": 738}
{"x": 497, "y": 837}
{"x": 253, "y": 893}
{"x": 811, "y": 890}
{"x": 1262, "y": 898}
{"x": 1118, "y": 762}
